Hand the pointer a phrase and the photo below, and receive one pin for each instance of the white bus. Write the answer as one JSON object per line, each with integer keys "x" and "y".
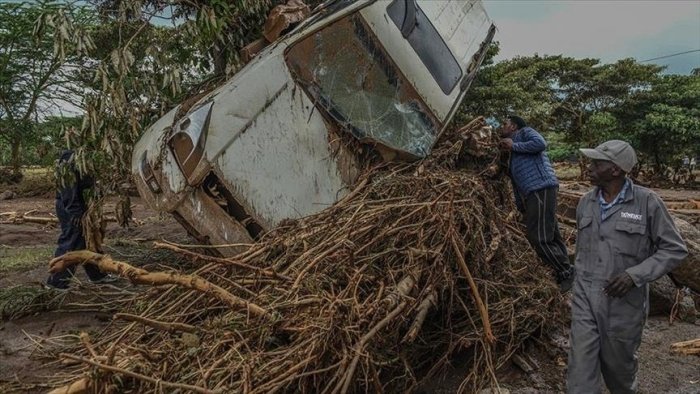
{"x": 266, "y": 145}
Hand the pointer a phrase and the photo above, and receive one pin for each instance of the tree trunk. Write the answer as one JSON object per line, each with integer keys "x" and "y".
{"x": 15, "y": 160}
{"x": 218, "y": 55}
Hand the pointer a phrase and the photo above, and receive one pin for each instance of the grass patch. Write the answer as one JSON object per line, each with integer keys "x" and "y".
{"x": 16, "y": 259}
{"x": 19, "y": 301}
{"x": 36, "y": 181}
{"x": 567, "y": 171}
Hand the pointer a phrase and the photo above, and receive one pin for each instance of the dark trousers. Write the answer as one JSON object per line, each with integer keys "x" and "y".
{"x": 71, "y": 238}
{"x": 543, "y": 231}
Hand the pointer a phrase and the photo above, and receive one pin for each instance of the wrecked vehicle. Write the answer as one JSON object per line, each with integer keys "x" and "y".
{"x": 265, "y": 146}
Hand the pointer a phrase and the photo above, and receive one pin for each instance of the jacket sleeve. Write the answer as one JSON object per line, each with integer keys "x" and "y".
{"x": 532, "y": 142}
{"x": 670, "y": 250}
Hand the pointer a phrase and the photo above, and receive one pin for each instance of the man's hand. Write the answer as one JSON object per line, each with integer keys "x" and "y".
{"x": 619, "y": 286}
{"x": 506, "y": 144}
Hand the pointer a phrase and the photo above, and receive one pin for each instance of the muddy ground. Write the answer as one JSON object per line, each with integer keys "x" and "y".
{"x": 26, "y": 248}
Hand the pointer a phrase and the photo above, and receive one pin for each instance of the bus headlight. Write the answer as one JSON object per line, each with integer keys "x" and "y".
{"x": 188, "y": 139}
{"x": 147, "y": 174}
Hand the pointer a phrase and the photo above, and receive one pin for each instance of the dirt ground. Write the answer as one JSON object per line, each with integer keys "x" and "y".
{"x": 26, "y": 248}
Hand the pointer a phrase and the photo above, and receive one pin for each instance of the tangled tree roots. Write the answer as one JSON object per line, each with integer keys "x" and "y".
{"x": 420, "y": 261}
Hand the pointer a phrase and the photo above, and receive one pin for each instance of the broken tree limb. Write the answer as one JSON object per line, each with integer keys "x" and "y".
{"x": 140, "y": 276}
{"x": 85, "y": 339}
{"x": 428, "y": 302}
{"x": 347, "y": 378}
{"x": 687, "y": 347}
{"x": 402, "y": 290}
{"x": 157, "y": 382}
{"x": 230, "y": 262}
{"x": 170, "y": 327}
{"x": 16, "y": 218}
{"x": 488, "y": 334}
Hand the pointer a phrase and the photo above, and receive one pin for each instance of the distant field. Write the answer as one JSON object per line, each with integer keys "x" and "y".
{"x": 36, "y": 181}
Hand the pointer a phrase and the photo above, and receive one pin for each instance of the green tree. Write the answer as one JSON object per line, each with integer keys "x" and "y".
{"x": 589, "y": 102}
{"x": 523, "y": 85}
{"x": 42, "y": 55}
{"x": 587, "y": 94}
{"x": 664, "y": 121}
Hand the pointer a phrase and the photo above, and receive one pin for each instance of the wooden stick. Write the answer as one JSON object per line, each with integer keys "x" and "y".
{"x": 140, "y": 276}
{"x": 38, "y": 219}
{"x": 196, "y": 256}
{"x": 85, "y": 339}
{"x": 135, "y": 375}
{"x": 318, "y": 258}
{"x": 488, "y": 334}
{"x": 423, "y": 308}
{"x": 347, "y": 378}
{"x": 169, "y": 327}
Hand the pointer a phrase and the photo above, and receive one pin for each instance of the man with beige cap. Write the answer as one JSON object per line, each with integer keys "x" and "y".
{"x": 626, "y": 239}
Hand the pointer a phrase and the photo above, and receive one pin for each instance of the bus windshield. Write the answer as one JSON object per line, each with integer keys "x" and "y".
{"x": 346, "y": 70}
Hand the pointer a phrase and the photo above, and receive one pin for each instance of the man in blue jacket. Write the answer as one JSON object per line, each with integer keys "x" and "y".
{"x": 70, "y": 207}
{"x": 535, "y": 187}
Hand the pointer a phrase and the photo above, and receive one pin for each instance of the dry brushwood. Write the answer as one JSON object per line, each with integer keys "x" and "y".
{"x": 375, "y": 293}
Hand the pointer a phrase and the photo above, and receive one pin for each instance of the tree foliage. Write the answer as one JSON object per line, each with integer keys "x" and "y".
{"x": 153, "y": 54}
{"x": 43, "y": 49}
{"x": 140, "y": 58}
{"x": 589, "y": 102}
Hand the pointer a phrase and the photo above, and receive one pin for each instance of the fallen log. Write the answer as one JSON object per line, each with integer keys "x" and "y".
{"x": 688, "y": 273}
{"x": 687, "y": 347}
{"x": 665, "y": 298}
{"x": 80, "y": 386}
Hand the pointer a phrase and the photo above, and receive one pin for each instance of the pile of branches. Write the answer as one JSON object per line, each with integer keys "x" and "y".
{"x": 418, "y": 262}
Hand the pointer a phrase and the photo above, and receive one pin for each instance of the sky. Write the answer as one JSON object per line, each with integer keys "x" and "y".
{"x": 607, "y": 30}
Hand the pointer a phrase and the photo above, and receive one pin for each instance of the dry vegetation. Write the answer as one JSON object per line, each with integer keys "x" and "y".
{"x": 418, "y": 262}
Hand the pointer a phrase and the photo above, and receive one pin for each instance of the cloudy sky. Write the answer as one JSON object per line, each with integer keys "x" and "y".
{"x": 607, "y": 30}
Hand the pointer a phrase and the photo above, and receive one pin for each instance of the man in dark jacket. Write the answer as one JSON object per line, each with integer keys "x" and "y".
{"x": 535, "y": 187}
{"x": 70, "y": 207}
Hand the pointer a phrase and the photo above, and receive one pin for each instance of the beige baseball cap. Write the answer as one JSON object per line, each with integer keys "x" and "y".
{"x": 619, "y": 152}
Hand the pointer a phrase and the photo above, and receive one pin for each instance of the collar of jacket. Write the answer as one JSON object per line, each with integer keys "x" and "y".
{"x": 628, "y": 197}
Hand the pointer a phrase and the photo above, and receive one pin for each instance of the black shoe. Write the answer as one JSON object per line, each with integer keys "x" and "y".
{"x": 109, "y": 278}
{"x": 566, "y": 280}
{"x": 566, "y": 284}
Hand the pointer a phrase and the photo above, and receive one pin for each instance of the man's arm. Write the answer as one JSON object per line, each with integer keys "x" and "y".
{"x": 532, "y": 142}
{"x": 670, "y": 248}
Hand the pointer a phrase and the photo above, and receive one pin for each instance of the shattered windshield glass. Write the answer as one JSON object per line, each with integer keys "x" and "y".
{"x": 352, "y": 78}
